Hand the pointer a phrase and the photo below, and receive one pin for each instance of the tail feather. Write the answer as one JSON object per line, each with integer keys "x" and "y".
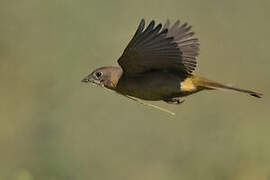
{"x": 207, "y": 84}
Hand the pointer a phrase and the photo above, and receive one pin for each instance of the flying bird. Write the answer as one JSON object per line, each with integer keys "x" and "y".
{"x": 158, "y": 65}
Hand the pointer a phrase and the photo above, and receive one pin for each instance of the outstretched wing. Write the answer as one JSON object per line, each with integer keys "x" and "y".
{"x": 171, "y": 48}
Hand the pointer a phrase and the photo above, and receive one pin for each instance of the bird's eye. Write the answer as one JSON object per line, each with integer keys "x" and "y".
{"x": 98, "y": 74}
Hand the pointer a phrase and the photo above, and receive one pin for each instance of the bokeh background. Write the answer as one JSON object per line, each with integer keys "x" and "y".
{"x": 53, "y": 127}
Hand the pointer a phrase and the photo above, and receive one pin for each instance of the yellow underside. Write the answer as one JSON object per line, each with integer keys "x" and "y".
{"x": 188, "y": 85}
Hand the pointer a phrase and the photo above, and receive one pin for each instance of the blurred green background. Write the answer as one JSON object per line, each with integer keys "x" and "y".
{"x": 53, "y": 127}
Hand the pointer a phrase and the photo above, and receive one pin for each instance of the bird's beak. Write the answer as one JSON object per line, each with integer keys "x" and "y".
{"x": 91, "y": 80}
{"x": 86, "y": 80}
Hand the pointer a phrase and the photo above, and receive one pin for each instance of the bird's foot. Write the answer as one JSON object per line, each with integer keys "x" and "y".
{"x": 174, "y": 101}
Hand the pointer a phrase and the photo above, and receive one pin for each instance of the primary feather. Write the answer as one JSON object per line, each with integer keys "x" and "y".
{"x": 170, "y": 48}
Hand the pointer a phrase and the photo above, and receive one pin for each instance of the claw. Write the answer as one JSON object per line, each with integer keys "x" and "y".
{"x": 174, "y": 101}
{"x": 180, "y": 101}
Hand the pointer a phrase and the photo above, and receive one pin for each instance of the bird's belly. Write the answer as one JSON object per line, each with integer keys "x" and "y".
{"x": 151, "y": 86}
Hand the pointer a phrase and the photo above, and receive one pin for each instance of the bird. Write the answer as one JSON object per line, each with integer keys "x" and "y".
{"x": 158, "y": 65}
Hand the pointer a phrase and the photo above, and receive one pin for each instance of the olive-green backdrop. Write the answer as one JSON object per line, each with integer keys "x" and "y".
{"x": 53, "y": 127}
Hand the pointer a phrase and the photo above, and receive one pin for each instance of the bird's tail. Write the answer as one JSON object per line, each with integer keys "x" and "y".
{"x": 203, "y": 83}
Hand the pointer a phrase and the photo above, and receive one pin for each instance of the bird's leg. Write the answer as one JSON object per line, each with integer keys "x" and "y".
{"x": 174, "y": 101}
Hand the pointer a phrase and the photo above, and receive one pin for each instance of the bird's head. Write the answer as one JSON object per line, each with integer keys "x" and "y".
{"x": 104, "y": 76}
